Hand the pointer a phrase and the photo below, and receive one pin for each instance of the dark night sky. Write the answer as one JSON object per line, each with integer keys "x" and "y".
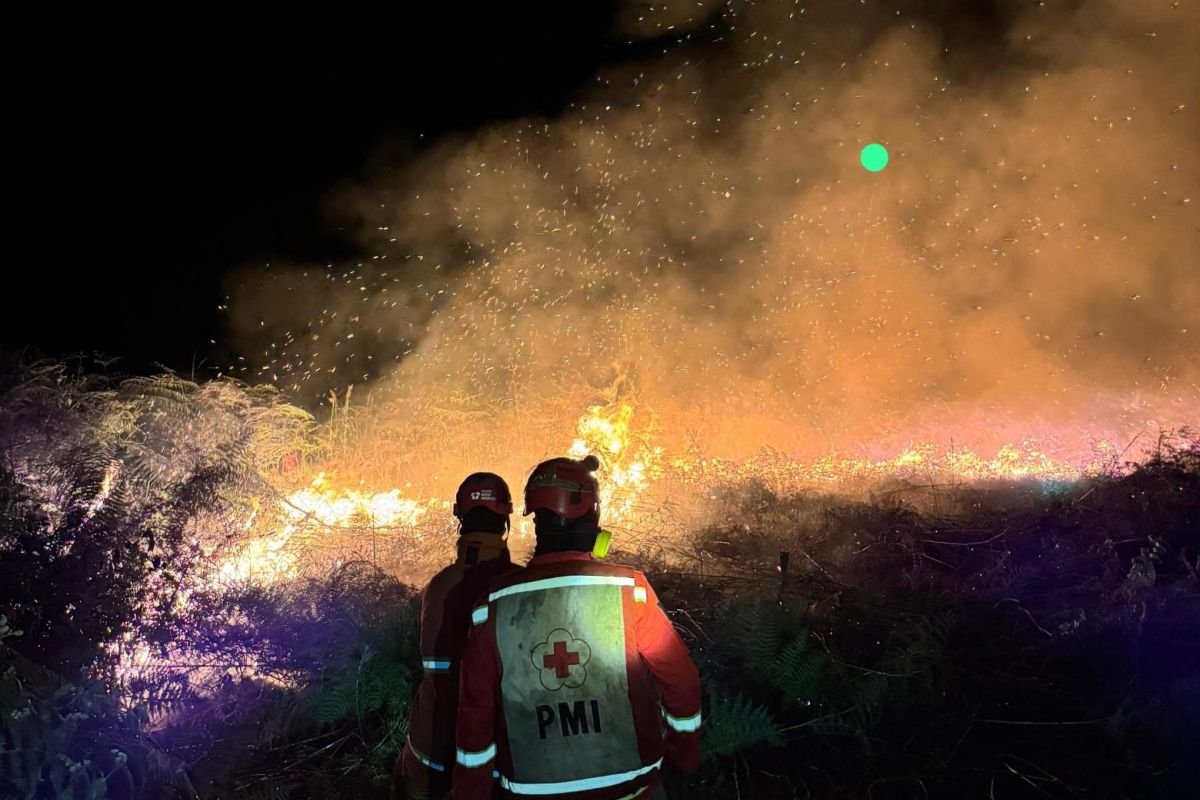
{"x": 148, "y": 164}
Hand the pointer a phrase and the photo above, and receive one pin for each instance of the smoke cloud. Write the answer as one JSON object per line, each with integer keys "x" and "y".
{"x": 697, "y": 228}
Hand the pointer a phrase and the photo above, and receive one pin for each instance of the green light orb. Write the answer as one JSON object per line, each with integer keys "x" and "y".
{"x": 874, "y": 157}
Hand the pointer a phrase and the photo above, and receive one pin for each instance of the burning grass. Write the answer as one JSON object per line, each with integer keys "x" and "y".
{"x": 192, "y": 609}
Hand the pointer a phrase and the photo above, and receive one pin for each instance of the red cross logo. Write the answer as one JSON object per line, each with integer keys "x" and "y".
{"x": 561, "y": 660}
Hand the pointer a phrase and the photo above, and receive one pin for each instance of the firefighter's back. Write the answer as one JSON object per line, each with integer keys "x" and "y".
{"x": 577, "y": 717}
{"x": 425, "y": 766}
{"x": 445, "y": 621}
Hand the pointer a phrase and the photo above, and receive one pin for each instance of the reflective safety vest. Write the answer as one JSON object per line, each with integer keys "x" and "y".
{"x": 574, "y": 683}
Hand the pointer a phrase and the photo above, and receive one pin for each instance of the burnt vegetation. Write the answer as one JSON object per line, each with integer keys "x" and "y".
{"x": 1015, "y": 640}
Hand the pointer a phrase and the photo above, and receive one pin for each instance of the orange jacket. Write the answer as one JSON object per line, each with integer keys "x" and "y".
{"x": 574, "y": 684}
{"x": 445, "y": 622}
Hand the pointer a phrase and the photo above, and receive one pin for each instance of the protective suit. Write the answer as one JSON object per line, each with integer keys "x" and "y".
{"x": 425, "y": 767}
{"x": 574, "y": 683}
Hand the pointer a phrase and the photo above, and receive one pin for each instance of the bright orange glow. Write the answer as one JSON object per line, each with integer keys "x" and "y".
{"x": 629, "y": 463}
{"x": 330, "y": 512}
{"x": 327, "y": 517}
{"x": 1025, "y": 460}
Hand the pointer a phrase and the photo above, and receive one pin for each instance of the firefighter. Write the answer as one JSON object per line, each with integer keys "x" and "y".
{"x": 482, "y": 505}
{"x": 574, "y": 683}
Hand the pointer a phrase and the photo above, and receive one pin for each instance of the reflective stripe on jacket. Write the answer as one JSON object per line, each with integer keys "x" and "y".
{"x": 445, "y": 623}
{"x": 574, "y": 683}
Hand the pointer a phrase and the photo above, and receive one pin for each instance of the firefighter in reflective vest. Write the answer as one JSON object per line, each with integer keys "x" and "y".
{"x": 483, "y": 505}
{"x": 574, "y": 683}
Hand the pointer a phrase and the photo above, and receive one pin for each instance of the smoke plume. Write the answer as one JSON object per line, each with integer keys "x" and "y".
{"x": 696, "y": 228}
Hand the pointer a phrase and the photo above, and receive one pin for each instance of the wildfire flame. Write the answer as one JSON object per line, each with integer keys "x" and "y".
{"x": 329, "y": 509}
{"x": 1026, "y": 460}
{"x": 629, "y": 463}
{"x": 622, "y": 437}
{"x": 338, "y": 507}
{"x": 319, "y": 522}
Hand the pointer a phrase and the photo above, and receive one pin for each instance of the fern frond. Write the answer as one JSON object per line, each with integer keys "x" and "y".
{"x": 762, "y": 627}
{"x": 799, "y": 671}
{"x": 334, "y": 703}
{"x": 736, "y": 723}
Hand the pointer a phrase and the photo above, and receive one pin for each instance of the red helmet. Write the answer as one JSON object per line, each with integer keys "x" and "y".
{"x": 483, "y": 490}
{"x": 564, "y": 486}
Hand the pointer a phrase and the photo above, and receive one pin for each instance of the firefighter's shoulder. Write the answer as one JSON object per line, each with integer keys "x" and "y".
{"x": 444, "y": 581}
